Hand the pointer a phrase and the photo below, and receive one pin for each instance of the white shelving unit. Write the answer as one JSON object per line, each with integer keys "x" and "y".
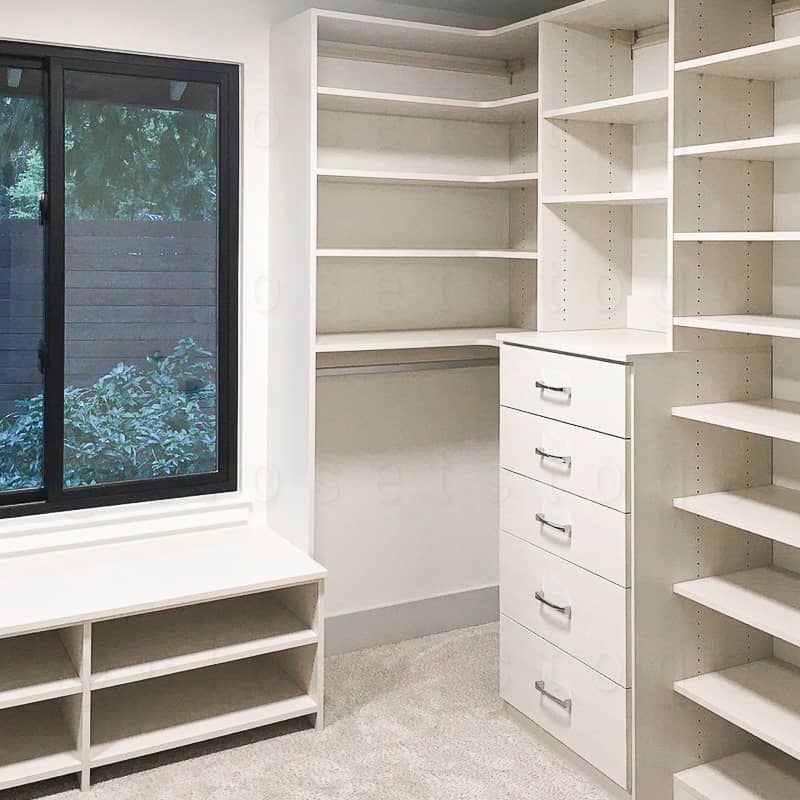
{"x": 754, "y": 324}
{"x": 191, "y": 636}
{"x": 779, "y": 419}
{"x": 631, "y": 110}
{"x": 514, "y": 255}
{"x": 510, "y": 181}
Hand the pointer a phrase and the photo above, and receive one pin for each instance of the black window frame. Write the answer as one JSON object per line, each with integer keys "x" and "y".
{"x": 53, "y": 496}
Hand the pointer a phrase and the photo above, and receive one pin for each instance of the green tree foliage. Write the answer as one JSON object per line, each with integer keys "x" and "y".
{"x": 133, "y": 424}
{"x": 24, "y": 194}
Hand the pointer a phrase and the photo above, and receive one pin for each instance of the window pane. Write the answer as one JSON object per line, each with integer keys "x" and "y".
{"x": 141, "y": 278}
{"x": 22, "y": 237}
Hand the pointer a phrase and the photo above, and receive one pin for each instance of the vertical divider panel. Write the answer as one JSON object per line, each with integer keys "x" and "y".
{"x": 674, "y": 638}
{"x": 76, "y": 709}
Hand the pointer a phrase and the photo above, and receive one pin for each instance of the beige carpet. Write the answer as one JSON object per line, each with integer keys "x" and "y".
{"x": 419, "y": 720}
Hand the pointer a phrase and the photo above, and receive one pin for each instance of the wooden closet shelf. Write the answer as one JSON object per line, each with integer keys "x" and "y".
{"x": 142, "y": 718}
{"x": 510, "y": 181}
{"x": 409, "y": 340}
{"x": 37, "y": 745}
{"x": 755, "y": 324}
{"x": 356, "y": 252}
{"x": 739, "y": 236}
{"x": 762, "y": 698}
{"x": 772, "y": 61}
{"x": 766, "y": 598}
{"x": 769, "y": 511}
{"x": 607, "y": 199}
{"x": 630, "y": 110}
{"x": 779, "y": 419}
{"x": 151, "y": 645}
{"x": 507, "y": 109}
{"x": 768, "y": 148}
{"x": 745, "y": 776}
{"x": 35, "y": 668}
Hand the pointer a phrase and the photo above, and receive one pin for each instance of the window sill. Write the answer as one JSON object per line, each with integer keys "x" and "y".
{"x": 84, "y": 527}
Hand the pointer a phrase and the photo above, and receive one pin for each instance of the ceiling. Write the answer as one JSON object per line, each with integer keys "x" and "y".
{"x": 501, "y": 9}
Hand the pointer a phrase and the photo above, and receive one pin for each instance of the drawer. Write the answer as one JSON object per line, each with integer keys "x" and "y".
{"x": 589, "y": 713}
{"x": 575, "y": 610}
{"x": 596, "y": 538}
{"x": 590, "y": 464}
{"x": 592, "y": 394}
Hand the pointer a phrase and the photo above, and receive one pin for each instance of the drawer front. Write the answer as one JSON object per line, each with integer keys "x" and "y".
{"x": 595, "y": 723}
{"x": 579, "y": 612}
{"x": 592, "y": 394}
{"x": 587, "y": 534}
{"x": 590, "y": 464}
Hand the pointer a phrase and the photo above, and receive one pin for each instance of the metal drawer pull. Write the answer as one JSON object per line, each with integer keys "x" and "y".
{"x": 540, "y": 687}
{"x": 565, "y": 460}
{"x": 565, "y": 610}
{"x": 565, "y": 529}
{"x": 565, "y": 390}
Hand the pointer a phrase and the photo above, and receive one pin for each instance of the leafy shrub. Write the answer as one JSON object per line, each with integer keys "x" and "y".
{"x": 134, "y": 423}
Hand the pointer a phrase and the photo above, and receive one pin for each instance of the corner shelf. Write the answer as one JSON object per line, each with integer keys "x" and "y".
{"x": 778, "y": 419}
{"x": 754, "y": 324}
{"x": 766, "y": 598}
{"x": 767, "y": 148}
{"x": 409, "y": 340}
{"x": 34, "y": 668}
{"x": 630, "y": 110}
{"x": 358, "y": 101}
{"x": 167, "y": 642}
{"x": 511, "y": 181}
{"x": 762, "y": 698}
{"x": 769, "y": 511}
{"x": 142, "y": 718}
{"x": 355, "y": 252}
{"x": 607, "y": 199}
{"x": 773, "y": 61}
{"x": 739, "y": 236}
{"x": 745, "y": 776}
{"x": 40, "y": 747}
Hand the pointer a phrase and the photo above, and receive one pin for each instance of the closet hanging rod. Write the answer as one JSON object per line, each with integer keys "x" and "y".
{"x": 412, "y": 366}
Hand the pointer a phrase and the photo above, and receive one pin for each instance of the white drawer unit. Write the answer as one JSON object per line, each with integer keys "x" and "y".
{"x": 587, "y": 534}
{"x": 581, "y": 391}
{"x": 574, "y": 703}
{"x": 586, "y": 463}
{"x": 583, "y": 614}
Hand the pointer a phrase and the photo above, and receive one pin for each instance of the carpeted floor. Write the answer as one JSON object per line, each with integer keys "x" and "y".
{"x": 419, "y": 720}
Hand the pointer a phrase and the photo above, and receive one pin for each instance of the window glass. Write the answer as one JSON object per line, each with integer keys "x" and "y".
{"x": 141, "y": 256}
{"x": 22, "y": 276}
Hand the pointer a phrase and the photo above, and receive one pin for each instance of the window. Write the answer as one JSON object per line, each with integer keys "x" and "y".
{"x": 118, "y": 278}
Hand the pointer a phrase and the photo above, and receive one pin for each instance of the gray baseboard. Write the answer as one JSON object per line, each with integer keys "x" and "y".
{"x": 345, "y": 633}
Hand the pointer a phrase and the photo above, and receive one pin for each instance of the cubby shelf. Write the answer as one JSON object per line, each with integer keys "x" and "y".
{"x": 779, "y": 419}
{"x": 630, "y": 110}
{"x": 613, "y": 14}
{"x": 772, "y": 61}
{"x": 745, "y": 776}
{"x": 739, "y": 236}
{"x": 766, "y": 598}
{"x": 607, "y": 199}
{"x": 152, "y": 645}
{"x": 769, "y": 511}
{"x": 507, "y": 109}
{"x": 761, "y": 698}
{"x": 767, "y": 148}
{"x": 409, "y": 340}
{"x": 754, "y": 324}
{"x": 390, "y": 252}
{"x": 36, "y": 745}
{"x": 511, "y": 181}
{"x": 142, "y": 718}
{"x": 35, "y": 668}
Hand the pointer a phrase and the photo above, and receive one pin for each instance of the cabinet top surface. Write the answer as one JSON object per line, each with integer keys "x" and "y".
{"x": 49, "y": 590}
{"x": 611, "y": 345}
